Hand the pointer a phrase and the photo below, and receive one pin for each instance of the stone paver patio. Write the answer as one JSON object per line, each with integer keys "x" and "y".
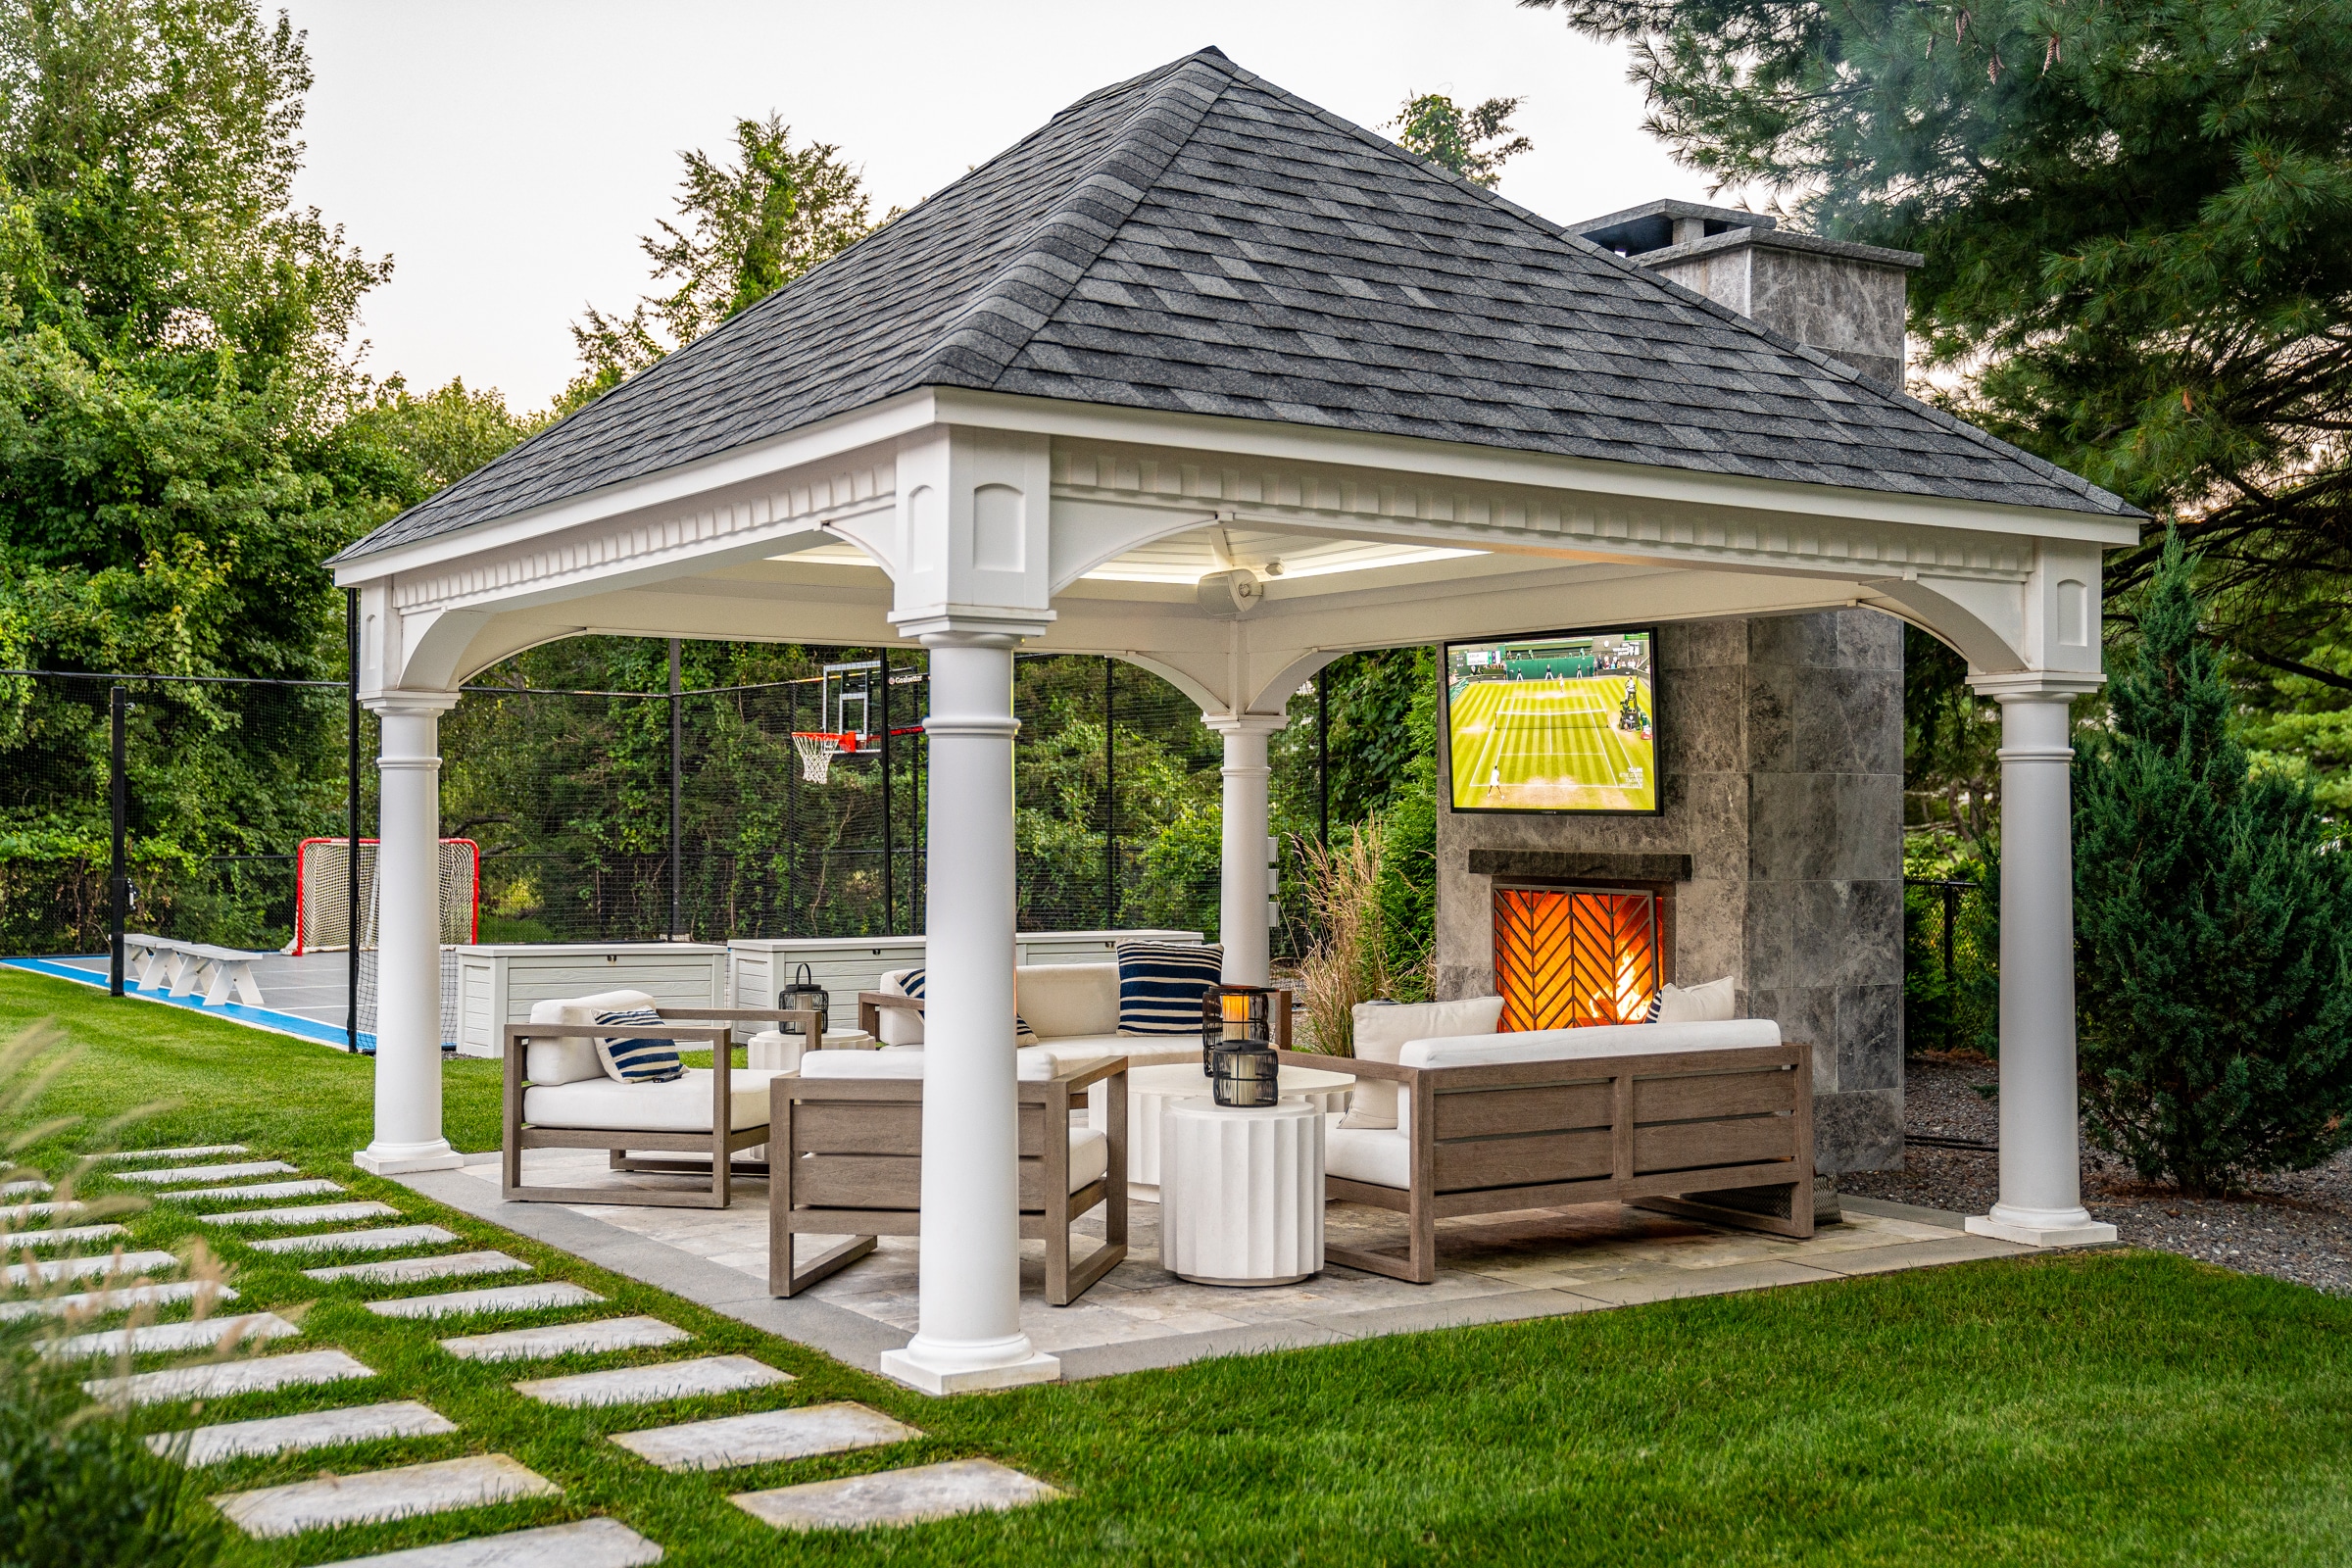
{"x": 1492, "y": 1269}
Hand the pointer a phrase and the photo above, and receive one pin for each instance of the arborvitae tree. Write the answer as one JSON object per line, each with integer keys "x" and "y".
{"x": 2214, "y": 922}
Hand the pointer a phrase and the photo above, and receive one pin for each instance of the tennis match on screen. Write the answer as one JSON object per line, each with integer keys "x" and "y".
{"x": 1562, "y": 722}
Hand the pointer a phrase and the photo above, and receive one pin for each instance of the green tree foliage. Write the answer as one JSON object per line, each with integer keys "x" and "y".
{"x": 2134, "y": 220}
{"x": 748, "y": 228}
{"x": 2214, "y": 913}
{"x": 1475, "y": 142}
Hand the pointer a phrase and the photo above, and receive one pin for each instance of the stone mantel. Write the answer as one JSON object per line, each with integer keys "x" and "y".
{"x": 1578, "y": 866}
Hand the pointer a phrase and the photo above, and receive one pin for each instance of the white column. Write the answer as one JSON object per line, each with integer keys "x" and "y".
{"x": 408, "y": 959}
{"x": 969, "y": 1328}
{"x": 2041, "y": 1183}
{"x": 1244, "y": 887}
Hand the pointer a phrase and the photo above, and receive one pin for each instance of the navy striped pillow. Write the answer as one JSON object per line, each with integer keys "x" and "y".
{"x": 1161, "y": 983}
{"x": 911, "y": 984}
{"x": 638, "y": 1061}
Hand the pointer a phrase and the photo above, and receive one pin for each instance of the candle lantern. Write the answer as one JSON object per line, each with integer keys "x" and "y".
{"x": 1241, "y": 1029}
{"x": 805, "y": 992}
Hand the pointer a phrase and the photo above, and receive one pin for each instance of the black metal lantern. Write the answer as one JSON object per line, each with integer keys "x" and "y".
{"x": 805, "y": 992}
{"x": 1238, "y": 1026}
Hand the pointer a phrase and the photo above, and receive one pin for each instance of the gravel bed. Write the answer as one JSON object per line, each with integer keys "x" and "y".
{"x": 2296, "y": 1227}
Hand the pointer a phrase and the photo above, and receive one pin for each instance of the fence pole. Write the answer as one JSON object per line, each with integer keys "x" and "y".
{"x": 792, "y": 806}
{"x": 351, "y": 821}
{"x": 1110, "y": 798}
{"x": 117, "y": 700}
{"x": 1323, "y": 757}
{"x": 1951, "y": 905}
{"x": 890, "y": 848}
{"x": 677, "y": 839}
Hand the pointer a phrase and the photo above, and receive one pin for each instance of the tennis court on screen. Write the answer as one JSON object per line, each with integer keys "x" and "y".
{"x": 1551, "y": 745}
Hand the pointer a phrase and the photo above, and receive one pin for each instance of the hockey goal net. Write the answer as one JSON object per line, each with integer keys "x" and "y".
{"x": 322, "y": 894}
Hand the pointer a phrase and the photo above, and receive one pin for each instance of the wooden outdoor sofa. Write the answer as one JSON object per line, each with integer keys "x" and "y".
{"x": 1631, "y": 1113}
{"x": 576, "y": 1107}
{"x": 847, "y": 1144}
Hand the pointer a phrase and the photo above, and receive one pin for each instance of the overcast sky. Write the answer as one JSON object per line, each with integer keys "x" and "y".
{"x": 507, "y": 152}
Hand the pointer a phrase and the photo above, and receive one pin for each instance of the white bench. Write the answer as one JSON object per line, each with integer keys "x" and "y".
{"x": 180, "y": 966}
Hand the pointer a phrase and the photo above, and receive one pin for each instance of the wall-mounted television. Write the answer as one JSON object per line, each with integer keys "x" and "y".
{"x": 1564, "y": 721}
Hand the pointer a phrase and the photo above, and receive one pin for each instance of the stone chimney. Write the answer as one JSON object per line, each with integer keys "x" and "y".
{"x": 1844, "y": 300}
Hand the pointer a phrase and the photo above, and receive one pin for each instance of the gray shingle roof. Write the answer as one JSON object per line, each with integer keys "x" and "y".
{"x": 1199, "y": 241}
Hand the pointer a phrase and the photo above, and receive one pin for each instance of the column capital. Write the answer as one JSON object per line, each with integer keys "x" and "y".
{"x": 2036, "y": 685}
{"x": 971, "y": 625}
{"x": 397, "y": 703}
{"x": 1244, "y": 724}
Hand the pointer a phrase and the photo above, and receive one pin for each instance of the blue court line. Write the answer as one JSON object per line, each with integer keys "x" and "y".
{"x": 284, "y": 1023}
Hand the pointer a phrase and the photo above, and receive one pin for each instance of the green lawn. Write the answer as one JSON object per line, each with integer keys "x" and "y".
{"x": 2117, "y": 1407}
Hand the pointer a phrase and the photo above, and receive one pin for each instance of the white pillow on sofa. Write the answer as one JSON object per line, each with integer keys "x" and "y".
{"x": 1712, "y": 1003}
{"x": 898, "y": 1026}
{"x": 1383, "y": 1029}
{"x": 569, "y": 1060}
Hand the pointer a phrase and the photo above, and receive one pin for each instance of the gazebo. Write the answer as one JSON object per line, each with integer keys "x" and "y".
{"x": 1202, "y": 377}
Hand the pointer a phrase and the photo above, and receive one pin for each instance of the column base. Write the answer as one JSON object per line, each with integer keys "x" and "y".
{"x": 399, "y": 1159}
{"x": 2042, "y": 1227}
{"x": 912, "y": 1367}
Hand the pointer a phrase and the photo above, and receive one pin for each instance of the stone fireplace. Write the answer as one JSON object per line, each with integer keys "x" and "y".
{"x": 1777, "y": 860}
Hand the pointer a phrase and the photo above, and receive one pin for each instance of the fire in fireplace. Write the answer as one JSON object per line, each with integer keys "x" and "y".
{"x": 1569, "y": 956}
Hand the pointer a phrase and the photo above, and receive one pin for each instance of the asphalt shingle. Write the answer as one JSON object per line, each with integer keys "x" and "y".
{"x": 1200, "y": 241}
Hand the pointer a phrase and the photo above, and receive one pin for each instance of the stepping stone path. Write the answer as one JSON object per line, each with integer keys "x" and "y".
{"x": 119, "y": 1301}
{"x": 402, "y": 1270}
{"x": 376, "y": 1240}
{"x": 263, "y": 1193}
{"x": 896, "y": 1496}
{"x": 644, "y": 1385}
{"x": 588, "y": 1544}
{"x": 181, "y": 1175}
{"x": 69, "y": 1205}
{"x": 566, "y": 1339}
{"x": 495, "y": 1299}
{"x": 380, "y": 1494}
{"x": 289, "y": 1434}
{"x": 766, "y": 1437}
{"x": 53, "y": 1269}
{"x": 27, "y": 1185}
{"x": 316, "y": 1214}
{"x": 71, "y": 1236}
{"x": 200, "y": 1152}
{"x": 204, "y": 1335}
{"x": 220, "y": 1379}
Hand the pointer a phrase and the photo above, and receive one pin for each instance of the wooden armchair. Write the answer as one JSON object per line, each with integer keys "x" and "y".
{"x": 683, "y": 1115}
{"x": 1722, "y": 1135}
{"x": 847, "y": 1159}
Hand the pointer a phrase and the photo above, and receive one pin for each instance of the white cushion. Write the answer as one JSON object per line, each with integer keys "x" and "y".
{"x": 1063, "y": 1000}
{"x": 1600, "y": 1040}
{"x": 1712, "y": 1003}
{"x": 572, "y": 1058}
{"x": 1380, "y": 1155}
{"x": 898, "y": 1026}
{"x": 1383, "y": 1029}
{"x": 1141, "y": 1051}
{"x": 1089, "y": 1155}
{"x": 681, "y": 1105}
{"x": 1032, "y": 1063}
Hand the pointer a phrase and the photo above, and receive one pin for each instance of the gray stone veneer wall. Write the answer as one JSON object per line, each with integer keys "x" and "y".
{"x": 1782, "y": 765}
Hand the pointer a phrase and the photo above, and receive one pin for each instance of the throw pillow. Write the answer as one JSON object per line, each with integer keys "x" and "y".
{"x": 638, "y": 1061}
{"x": 1383, "y": 1029}
{"x": 1712, "y": 1003}
{"x": 1655, "y": 1003}
{"x": 1161, "y": 983}
{"x": 911, "y": 984}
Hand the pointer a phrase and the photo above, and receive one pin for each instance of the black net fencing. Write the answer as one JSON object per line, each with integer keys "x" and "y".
{"x": 608, "y": 813}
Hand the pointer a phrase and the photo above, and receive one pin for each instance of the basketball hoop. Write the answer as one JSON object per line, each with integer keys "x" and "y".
{"x": 817, "y": 749}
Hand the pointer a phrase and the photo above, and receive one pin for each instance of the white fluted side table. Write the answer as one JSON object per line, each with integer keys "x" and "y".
{"x": 1241, "y": 1193}
{"x": 1151, "y": 1089}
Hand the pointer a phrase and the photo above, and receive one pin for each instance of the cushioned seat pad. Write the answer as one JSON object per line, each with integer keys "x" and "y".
{"x": 681, "y": 1105}
{"x": 1600, "y": 1040}
{"x": 1380, "y": 1156}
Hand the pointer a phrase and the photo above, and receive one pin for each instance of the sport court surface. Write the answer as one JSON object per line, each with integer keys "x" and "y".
{"x": 1550, "y": 744}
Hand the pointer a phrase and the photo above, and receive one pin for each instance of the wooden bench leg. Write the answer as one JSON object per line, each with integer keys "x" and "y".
{"x": 788, "y": 1276}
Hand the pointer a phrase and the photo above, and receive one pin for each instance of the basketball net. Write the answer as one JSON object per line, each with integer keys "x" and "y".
{"x": 817, "y": 749}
